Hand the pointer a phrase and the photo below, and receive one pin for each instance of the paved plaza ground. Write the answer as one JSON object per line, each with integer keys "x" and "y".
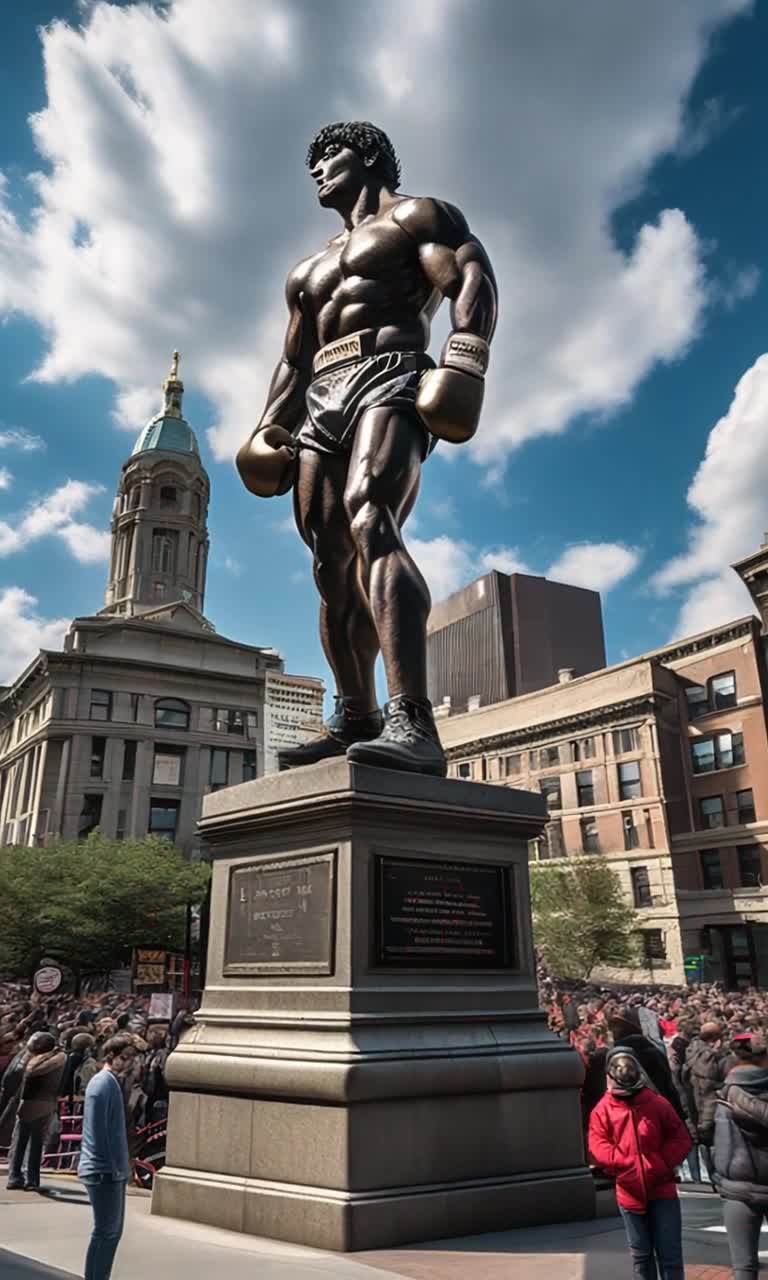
{"x": 44, "y": 1238}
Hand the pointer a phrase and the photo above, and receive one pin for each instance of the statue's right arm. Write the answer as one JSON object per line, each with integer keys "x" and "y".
{"x": 266, "y": 461}
{"x": 285, "y": 399}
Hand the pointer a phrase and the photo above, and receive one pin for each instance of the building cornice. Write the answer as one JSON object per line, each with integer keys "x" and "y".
{"x": 592, "y": 717}
{"x": 707, "y": 640}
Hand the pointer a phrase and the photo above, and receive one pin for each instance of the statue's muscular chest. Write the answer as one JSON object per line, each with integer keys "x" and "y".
{"x": 372, "y": 263}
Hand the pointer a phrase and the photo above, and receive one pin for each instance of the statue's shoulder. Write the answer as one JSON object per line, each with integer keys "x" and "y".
{"x": 431, "y": 221}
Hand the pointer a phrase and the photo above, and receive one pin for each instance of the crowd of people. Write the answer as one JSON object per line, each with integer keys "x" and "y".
{"x": 676, "y": 1084}
{"x": 52, "y": 1047}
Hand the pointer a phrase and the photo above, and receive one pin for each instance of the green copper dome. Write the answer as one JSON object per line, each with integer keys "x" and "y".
{"x": 172, "y": 434}
{"x": 169, "y": 431}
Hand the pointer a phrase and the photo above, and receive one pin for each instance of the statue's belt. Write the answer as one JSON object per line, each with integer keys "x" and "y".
{"x": 347, "y": 350}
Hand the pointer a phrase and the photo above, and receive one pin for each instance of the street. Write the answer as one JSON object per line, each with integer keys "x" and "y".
{"x": 45, "y": 1239}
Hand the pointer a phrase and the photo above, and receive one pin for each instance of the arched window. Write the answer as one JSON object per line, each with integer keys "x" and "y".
{"x": 171, "y": 713}
{"x": 168, "y": 497}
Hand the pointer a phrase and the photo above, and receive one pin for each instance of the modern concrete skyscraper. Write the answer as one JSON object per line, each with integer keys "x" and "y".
{"x": 509, "y": 634}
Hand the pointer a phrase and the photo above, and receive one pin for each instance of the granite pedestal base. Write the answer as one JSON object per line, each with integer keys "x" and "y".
{"x": 369, "y": 1066}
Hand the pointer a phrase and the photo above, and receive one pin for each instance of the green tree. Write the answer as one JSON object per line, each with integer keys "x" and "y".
{"x": 581, "y": 918}
{"x": 89, "y": 902}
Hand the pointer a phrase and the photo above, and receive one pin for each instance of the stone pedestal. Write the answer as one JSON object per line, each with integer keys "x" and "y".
{"x": 369, "y": 1066}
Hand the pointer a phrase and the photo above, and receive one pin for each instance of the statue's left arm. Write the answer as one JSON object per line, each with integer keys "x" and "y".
{"x": 454, "y": 261}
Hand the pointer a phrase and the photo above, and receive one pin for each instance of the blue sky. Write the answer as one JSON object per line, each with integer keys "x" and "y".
{"x": 154, "y": 196}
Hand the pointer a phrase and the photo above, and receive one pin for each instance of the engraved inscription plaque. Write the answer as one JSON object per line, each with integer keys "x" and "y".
{"x": 454, "y": 915}
{"x": 281, "y": 917}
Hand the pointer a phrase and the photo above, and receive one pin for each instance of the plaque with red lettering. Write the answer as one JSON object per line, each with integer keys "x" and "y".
{"x": 445, "y": 915}
{"x": 281, "y": 917}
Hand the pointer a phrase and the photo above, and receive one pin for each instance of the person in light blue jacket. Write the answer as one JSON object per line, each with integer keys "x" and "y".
{"x": 105, "y": 1166}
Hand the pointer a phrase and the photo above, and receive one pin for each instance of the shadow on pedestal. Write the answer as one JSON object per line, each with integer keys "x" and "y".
{"x": 369, "y": 1066}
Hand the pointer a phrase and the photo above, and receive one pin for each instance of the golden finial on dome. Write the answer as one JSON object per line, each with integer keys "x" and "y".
{"x": 174, "y": 390}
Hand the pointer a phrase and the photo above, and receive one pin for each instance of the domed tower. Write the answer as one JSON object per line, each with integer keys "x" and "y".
{"x": 159, "y": 519}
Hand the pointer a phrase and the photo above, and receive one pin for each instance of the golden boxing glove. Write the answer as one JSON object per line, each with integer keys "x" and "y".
{"x": 450, "y": 398}
{"x": 267, "y": 462}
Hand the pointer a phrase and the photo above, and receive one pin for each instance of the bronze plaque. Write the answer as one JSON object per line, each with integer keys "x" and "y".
{"x": 444, "y": 915}
{"x": 281, "y": 917}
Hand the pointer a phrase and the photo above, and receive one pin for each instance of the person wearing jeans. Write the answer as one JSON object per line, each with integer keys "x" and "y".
{"x": 104, "y": 1166}
{"x": 638, "y": 1138}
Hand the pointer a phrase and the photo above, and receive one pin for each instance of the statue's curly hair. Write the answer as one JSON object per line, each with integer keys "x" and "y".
{"x": 370, "y": 142}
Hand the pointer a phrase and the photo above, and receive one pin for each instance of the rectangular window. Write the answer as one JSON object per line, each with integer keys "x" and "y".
{"x": 101, "y": 704}
{"x": 750, "y": 873}
{"x": 163, "y": 818}
{"x": 648, "y": 827}
{"x": 723, "y": 691}
{"x": 729, "y": 749}
{"x": 548, "y": 756}
{"x": 464, "y": 770}
{"x": 553, "y": 834}
{"x": 624, "y": 740}
{"x": 711, "y": 869}
{"x": 249, "y": 766}
{"x": 168, "y": 767}
{"x": 698, "y": 701}
{"x": 226, "y": 721}
{"x": 129, "y": 761}
{"x": 122, "y": 815}
{"x": 641, "y": 887}
{"x": 90, "y": 814}
{"x": 512, "y": 766}
{"x": 721, "y": 752}
{"x": 585, "y": 788}
{"x": 98, "y": 750}
{"x": 745, "y": 806}
{"x": 134, "y": 698}
{"x": 711, "y": 811}
{"x": 653, "y": 944}
{"x": 631, "y": 833}
{"x": 550, "y": 789}
{"x": 218, "y": 775}
{"x": 590, "y": 839}
{"x": 630, "y": 786}
{"x": 582, "y": 749}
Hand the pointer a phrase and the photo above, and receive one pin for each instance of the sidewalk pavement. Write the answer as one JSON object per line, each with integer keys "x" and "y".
{"x": 45, "y": 1237}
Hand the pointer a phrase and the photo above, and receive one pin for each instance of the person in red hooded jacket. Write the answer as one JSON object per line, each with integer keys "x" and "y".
{"x": 638, "y": 1138}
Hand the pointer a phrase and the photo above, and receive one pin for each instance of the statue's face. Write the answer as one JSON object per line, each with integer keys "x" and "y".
{"x": 340, "y": 176}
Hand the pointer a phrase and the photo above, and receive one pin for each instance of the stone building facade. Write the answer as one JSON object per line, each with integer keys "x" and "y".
{"x": 659, "y": 766}
{"x": 146, "y": 708}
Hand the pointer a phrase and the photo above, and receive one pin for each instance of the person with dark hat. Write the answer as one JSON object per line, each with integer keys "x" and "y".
{"x": 39, "y": 1094}
{"x": 624, "y": 1026}
{"x": 636, "y": 1136}
{"x": 740, "y": 1152}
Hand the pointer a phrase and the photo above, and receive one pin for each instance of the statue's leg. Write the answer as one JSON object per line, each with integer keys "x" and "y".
{"x": 347, "y": 633}
{"x": 381, "y": 488}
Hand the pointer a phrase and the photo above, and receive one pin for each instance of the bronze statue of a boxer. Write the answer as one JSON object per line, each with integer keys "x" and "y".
{"x": 354, "y": 408}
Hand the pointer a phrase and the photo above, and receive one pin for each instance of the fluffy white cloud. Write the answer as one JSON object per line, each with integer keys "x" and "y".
{"x": 173, "y": 197}
{"x": 20, "y": 438}
{"x": 450, "y": 563}
{"x": 595, "y": 565}
{"x": 54, "y": 515}
{"x": 728, "y": 500}
{"x": 23, "y": 631}
{"x": 6, "y": 479}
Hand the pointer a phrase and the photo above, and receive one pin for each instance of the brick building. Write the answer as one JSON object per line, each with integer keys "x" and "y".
{"x": 659, "y": 765}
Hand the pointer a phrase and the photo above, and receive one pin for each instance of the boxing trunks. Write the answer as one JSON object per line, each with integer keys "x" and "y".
{"x": 348, "y": 378}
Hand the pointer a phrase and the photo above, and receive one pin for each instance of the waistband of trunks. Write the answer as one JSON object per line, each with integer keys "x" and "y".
{"x": 347, "y": 350}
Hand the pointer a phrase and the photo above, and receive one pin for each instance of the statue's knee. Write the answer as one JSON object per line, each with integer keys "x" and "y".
{"x": 367, "y": 525}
